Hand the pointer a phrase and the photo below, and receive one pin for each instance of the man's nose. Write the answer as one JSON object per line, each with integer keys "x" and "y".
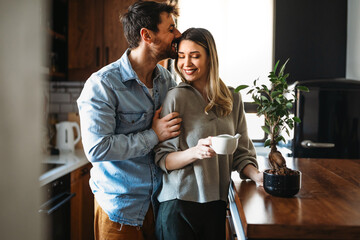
{"x": 177, "y": 33}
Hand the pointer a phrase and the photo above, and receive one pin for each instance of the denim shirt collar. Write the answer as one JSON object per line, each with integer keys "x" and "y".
{"x": 127, "y": 73}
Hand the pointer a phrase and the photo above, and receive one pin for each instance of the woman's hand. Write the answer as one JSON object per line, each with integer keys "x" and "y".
{"x": 258, "y": 178}
{"x": 254, "y": 174}
{"x": 180, "y": 159}
{"x": 202, "y": 149}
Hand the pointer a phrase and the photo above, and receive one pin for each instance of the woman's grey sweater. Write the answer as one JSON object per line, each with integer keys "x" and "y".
{"x": 208, "y": 179}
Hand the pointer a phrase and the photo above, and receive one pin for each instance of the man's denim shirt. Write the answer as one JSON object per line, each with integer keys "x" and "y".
{"x": 116, "y": 111}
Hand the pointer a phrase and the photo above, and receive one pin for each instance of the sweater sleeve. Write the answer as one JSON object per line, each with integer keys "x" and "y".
{"x": 245, "y": 153}
{"x": 171, "y": 145}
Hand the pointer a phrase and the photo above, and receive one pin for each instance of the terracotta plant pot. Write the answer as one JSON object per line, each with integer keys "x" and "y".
{"x": 282, "y": 185}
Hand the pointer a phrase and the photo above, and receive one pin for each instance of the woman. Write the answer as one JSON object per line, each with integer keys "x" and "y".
{"x": 193, "y": 197}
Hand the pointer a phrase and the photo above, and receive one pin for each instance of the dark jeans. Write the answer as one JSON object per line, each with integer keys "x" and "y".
{"x": 179, "y": 220}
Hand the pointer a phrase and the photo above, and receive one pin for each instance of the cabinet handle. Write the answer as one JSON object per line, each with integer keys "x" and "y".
{"x": 64, "y": 197}
{"x": 97, "y": 56}
{"x": 310, "y": 144}
{"x": 107, "y": 55}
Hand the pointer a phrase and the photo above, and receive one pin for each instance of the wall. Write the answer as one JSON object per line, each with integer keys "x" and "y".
{"x": 63, "y": 96}
{"x": 21, "y": 111}
{"x": 353, "y": 41}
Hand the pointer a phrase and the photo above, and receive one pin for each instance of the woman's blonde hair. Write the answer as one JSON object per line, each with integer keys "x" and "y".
{"x": 218, "y": 93}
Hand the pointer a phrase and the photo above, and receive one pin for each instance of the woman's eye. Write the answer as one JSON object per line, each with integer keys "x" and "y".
{"x": 181, "y": 56}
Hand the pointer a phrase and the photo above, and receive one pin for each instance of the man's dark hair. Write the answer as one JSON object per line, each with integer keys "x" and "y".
{"x": 144, "y": 14}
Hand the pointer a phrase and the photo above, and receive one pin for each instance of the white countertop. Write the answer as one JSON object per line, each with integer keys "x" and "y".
{"x": 68, "y": 162}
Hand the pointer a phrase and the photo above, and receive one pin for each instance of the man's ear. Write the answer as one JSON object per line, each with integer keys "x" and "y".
{"x": 146, "y": 35}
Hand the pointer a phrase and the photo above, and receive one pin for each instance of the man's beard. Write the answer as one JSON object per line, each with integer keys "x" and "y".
{"x": 170, "y": 51}
{"x": 166, "y": 53}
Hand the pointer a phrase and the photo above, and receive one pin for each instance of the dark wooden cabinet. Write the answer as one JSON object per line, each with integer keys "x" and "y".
{"x": 95, "y": 35}
{"x": 82, "y": 205}
{"x": 115, "y": 42}
{"x": 56, "y": 28}
{"x": 313, "y": 35}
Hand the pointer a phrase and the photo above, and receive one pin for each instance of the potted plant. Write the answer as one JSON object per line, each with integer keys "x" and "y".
{"x": 272, "y": 102}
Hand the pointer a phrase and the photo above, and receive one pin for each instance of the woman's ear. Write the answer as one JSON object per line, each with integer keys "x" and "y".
{"x": 145, "y": 35}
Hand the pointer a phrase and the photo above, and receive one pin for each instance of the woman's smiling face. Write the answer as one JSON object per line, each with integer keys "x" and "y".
{"x": 193, "y": 61}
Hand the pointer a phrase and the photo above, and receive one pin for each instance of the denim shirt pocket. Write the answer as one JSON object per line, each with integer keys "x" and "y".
{"x": 132, "y": 122}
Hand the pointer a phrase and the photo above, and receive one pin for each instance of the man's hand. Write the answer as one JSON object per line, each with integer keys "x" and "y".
{"x": 166, "y": 127}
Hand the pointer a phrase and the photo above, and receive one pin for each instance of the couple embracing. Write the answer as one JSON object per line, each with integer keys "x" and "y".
{"x": 154, "y": 175}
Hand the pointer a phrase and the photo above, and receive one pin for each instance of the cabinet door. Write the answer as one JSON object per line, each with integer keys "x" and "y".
{"x": 115, "y": 42}
{"x": 85, "y": 36}
{"x": 82, "y": 205}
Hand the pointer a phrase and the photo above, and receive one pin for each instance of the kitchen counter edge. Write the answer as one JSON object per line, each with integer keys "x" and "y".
{"x": 68, "y": 162}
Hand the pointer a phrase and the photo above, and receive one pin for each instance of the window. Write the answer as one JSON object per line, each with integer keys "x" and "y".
{"x": 254, "y": 124}
{"x": 243, "y": 32}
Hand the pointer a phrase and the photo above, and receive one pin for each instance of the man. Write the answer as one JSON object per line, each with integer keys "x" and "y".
{"x": 120, "y": 125}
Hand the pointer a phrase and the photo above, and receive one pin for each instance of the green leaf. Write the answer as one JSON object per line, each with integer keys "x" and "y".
{"x": 264, "y": 98}
{"x": 267, "y": 143}
{"x": 276, "y": 65}
{"x": 281, "y": 72}
{"x": 241, "y": 87}
{"x": 296, "y": 119}
{"x": 256, "y": 100}
{"x": 280, "y": 138}
{"x": 265, "y": 87}
{"x": 290, "y": 123}
{"x": 265, "y": 129}
{"x": 303, "y": 88}
{"x": 275, "y": 93}
{"x": 269, "y": 109}
{"x": 289, "y": 105}
{"x": 272, "y": 76}
{"x": 287, "y": 131}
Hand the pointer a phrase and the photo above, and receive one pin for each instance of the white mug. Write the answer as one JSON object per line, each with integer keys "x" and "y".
{"x": 225, "y": 144}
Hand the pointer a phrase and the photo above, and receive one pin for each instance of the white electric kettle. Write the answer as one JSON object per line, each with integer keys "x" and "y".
{"x": 65, "y": 141}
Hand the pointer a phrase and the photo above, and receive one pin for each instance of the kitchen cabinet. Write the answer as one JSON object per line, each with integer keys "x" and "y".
{"x": 82, "y": 205}
{"x": 95, "y": 35}
{"x": 313, "y": 34}
{"x": 56, "y": 27}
